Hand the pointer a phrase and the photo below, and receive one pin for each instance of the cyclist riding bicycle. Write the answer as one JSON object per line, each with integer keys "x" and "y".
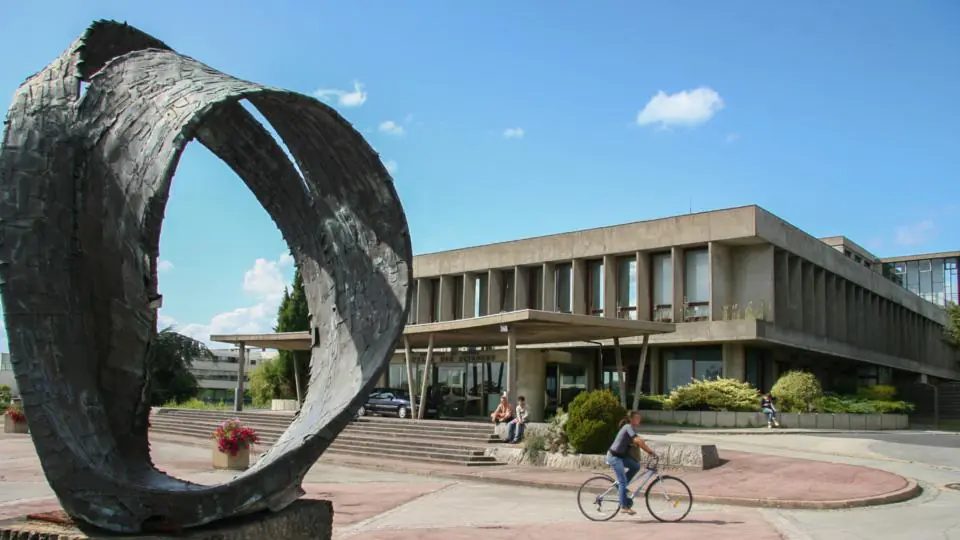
{"x": 619, "y": 459}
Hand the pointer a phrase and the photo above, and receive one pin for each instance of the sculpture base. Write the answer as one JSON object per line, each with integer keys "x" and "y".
{"x": 305, "y": 519}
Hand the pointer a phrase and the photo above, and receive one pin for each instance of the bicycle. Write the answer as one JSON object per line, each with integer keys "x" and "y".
{"x": 602, "y": 491}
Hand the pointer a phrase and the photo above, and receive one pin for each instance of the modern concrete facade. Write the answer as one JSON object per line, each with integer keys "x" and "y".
{"x": 218, "y": 379}
{"x": 752, "y": 296}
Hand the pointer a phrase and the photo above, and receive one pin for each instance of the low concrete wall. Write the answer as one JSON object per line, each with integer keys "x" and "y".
{"x": 283, "y": 405}
{"x": 673, "y": 455}
{"x": 711, "y": 419}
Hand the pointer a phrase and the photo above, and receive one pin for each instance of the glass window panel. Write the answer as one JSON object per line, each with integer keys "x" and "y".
{"x": 536, "y": 287}
{"x": 506, "y": 297}
{"x": 595, "y": 271}
{"x": 913, "y": 277}
{"x": 627, "y": 284}
{"x": 707, "y": 369}
{"x": 480, "y": 296}
{"x": 679, "y": 372}
{"x": 697, "y": 276}
{"x": 564, "y": 291}
{"x": 662, "y": 279}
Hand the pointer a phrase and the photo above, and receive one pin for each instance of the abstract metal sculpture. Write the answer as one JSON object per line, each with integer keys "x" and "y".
{"x": 84, "y": 181}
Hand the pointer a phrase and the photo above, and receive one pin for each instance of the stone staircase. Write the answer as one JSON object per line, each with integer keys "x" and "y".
{"x": 458, "y": 443}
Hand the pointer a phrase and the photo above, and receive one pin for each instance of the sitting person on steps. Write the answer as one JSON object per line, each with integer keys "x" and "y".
{"x": 504, "y": 412}
{"x": 767, "y": 407}
{"x": 519, "y": 423}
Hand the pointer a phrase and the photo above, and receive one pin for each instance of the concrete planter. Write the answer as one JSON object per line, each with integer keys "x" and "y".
{"x": 239, "y": 462}
{"x": 283, "y": 405}
{"x": 673, "y": 455}
{"x": 9, "y": 426}
{"x": 740, "y": 420}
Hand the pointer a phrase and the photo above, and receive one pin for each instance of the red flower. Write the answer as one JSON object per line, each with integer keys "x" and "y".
{"x": 232, "y": 436}
{"x": 15, "y": 412}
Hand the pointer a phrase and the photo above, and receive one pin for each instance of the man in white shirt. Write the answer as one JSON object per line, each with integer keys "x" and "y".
{"x": 516, "y": 426}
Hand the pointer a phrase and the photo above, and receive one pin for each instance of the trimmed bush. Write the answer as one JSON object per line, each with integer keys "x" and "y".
{"x": 593, "y": 421}
{"x": 878, "y": 392}
{"x": 797, "y": 392}
{"x": 714, "y": 395}
{"x": 556, "y": 437}
{"x": 652, "y": 403}
{"x": 858, "y": 405}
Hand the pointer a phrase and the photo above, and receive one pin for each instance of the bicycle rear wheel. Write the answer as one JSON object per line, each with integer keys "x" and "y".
{"x": 671, "y": 497}
{"x": 598, "y": 498}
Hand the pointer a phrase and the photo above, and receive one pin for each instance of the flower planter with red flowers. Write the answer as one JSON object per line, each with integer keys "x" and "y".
{"x": 14, "y": 421}
{"x": 232, "y": 442}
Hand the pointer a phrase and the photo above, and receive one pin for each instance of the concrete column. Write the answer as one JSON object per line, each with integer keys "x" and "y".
{"x": 579, "y": 271}
{"x": 610, "y": 286}
{"x": 840, "y": 308}
{"x": 469, "y": 295}
{"x": 424, "y": 301}
{"x": 781, "y": 288}
{"x": 512, "y": 365}
{"x": 676, "y": 260}
{"x": 721, "y": 277}
{"x": 644, "y": 309}
{"x": 851, "y": 312}
{"x": 494, "y": 291}
{"x": 532, "y": 381}
{"x": 521, "y": 287}
{"x": 861, "y": 315}
{"x": 796, "y": 293}
{"x": 549, "y": 287}
{"x": 447, "y": 289}
{"x": 734, "y": 361}
{"x": 820, "y": 304}
{"x": 241, "y": 375}
{"x": 808, "y": 298}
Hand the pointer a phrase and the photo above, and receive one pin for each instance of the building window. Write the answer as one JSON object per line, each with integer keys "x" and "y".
{"x": 662, "y": 287}
{"x": 627, "y": 287}
{"x": 536, "y": 287}
{"x": 595, "y": 294}
{"x": 480, "y": 296}
{"x": 435, "y": 300}
{"x": 506, "y": 290}
{"x": 685, "y": 364}
{"x": 913, "y": 277}
{"x": 564, "y": 290}
{"x": 696, "y": 283}
{"x": 414, "y": 303}
{"x": 458, "y": 297}
{"x": 951, "y": 285}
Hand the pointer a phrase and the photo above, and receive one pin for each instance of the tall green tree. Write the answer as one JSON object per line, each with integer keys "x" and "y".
{"x": 171, "y": 357}
{"x": 294, "y": 316}
{"x": 953, "y": 323}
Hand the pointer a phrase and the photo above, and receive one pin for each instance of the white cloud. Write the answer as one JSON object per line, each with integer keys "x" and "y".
{"x": 344, "y": 98}
{"x": 513, "y": 133}
{"x": 685, "y": 108}
{"x": 916, "y": 233}
{"x": 392, "y": 128}
{"x": 264, "y": 283}
{"x": 164, "y": 266}
{"x": 391, "y": 166}
{"x": 732, "y": 138}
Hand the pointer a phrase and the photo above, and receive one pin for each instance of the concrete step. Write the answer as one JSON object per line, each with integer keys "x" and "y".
{"x": 420, "y": 428}
{"x": 477, "y": 461}
{"x": 422, "y": 436}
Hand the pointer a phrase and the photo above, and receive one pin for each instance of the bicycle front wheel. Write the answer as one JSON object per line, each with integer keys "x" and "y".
{"x": 599, "y": 498}
{"x": 669, "y": 499}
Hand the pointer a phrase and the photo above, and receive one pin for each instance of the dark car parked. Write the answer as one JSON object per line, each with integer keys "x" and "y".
{"x": 395, "y": 402}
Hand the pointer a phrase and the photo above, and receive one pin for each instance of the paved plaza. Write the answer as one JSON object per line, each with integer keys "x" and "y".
{"x": 374, "y": 504}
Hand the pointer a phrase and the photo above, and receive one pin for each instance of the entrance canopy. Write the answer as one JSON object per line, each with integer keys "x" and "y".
{"x": 529, "y": 326}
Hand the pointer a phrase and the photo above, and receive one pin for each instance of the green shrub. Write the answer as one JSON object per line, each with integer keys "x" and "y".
{"x": 714, "y": 395}
{"x": 797, "y": 392}
{"x": 6, "y": 396}
{"x": 593, "y": 421}
{"x": 652, "y": 403}
{"x": 196, "y": 404}
{"x": 535, "y": 445}
{"x": 858, "y": 405}
{"x": 556, "y": 436}
{"x": 878, "y": 392}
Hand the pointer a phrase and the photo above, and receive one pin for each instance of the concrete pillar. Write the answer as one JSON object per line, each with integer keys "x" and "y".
{"x": 861, "y": 315}
{"x": 579, "y": 286}
{"x": 447, "y": 289}
{"x": 424, "y": 301}
{"x": 781, "y": 288}
{"x": 676, "y": 260}
{"x": 851, "y": 311}
{"x": 610, "y": 286}
{"x": 241, "y": 375}
{"x": 840, "y": 308}
{"x": 734, "y": 361}
{"x": 820, "y": 304}
{"x": 644, "y": 309}
{"x": 796, "y": 292}
{"x": 808, "y": 298}
{"x": 721, "y": 279}
{"x": 532, "y": 381}
{"x": 469, "y": 295}
{"x": 521, "y": 287}
{"x": 549, "y": 287}
{"x": 512, "y": 365}
{"x": 494, "y": 291}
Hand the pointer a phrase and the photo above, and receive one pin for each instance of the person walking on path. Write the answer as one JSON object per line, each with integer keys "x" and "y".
{"x": 766, "y": 405}
{"x": 519, "y": 423}
{"x": 619, "y": 459}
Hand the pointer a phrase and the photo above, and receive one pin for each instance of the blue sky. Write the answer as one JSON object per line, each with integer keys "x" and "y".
{"x": 505, "y": 120}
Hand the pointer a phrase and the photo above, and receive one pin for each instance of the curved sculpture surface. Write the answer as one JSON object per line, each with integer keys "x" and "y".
{"x": 84, "y": 181}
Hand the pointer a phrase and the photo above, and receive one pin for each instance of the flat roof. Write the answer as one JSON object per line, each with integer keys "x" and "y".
{"x": 921, "y": 256}
{"x": 531, "y": 327}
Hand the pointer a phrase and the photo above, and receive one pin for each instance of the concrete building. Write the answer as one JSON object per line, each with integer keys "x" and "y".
{"x": 752, "y": 296}
{"x": 6, "y": 372}
{"x": 219, "y": 379}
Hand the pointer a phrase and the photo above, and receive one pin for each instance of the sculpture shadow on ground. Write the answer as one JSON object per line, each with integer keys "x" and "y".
{"x": 90, "y": 147}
